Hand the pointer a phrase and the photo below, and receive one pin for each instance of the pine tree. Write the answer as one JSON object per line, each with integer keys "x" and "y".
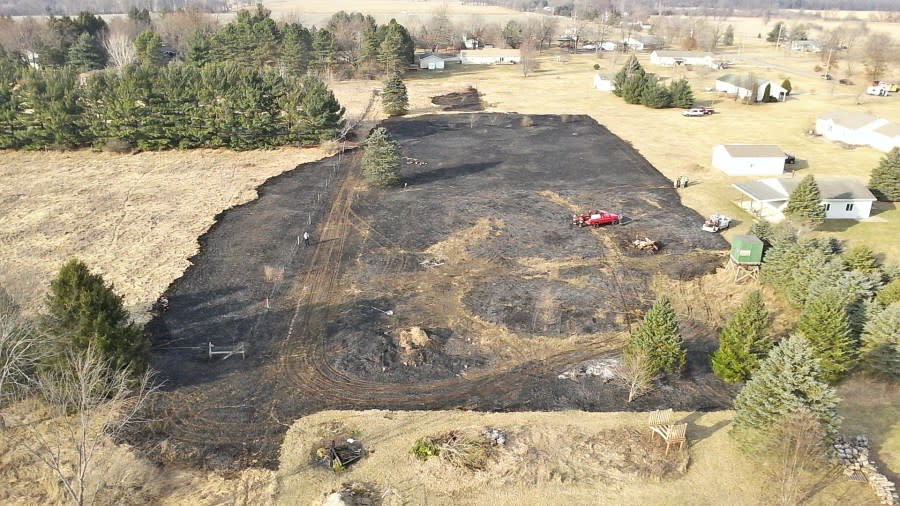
{"x": 880, "y": 351}
{"x": 56, "y": 118}
{"x": 396, "y": 103}
{"x": 148, "y": 48}
{"x": 381, "y": 159}
{"x": 762, "y": 229}
{"x": 682, "y": 95}
{"x": 805, "y": 202}
{"x": 656, "y": 96}
{"x": 631, "y": 67}
{"x": 778, "y": 30}
{"x": 743, "y": 342}
{"x": 659, "y": 337}
{"x": 86, "y": 54}
{"x": 786, "y": 382}
{"x": 861, "y": 258}
{"x": 728, "y": 36}
{"x": 889, "y": 293}
{"x": 825, "y": 324}
{"x": 633, "y": 89}
{"x": 83, "y": 311}
{"x": 393, "y": 52}
{"x": 296, "y": 49}
{"x": 321, "y": 115}
{"x": 885, "y": 179}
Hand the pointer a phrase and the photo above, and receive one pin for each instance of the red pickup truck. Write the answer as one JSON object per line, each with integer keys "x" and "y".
{"x": 595, "y": 219}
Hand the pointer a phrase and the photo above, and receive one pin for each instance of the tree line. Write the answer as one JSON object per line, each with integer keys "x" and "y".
{"x": 251, "y": 84}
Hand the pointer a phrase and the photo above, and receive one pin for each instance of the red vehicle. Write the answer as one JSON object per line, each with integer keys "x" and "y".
{"x": 595, "y": 219}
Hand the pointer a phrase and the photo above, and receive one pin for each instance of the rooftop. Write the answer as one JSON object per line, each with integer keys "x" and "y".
{"x": 889, "y": 129}
{"x": 849, "y": 119}
{"x": 753, "y": 150}
{"x": 776, "y": 189}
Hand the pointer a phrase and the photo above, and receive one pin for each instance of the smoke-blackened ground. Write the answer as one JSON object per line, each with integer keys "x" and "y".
{"x": 475, "y": 249}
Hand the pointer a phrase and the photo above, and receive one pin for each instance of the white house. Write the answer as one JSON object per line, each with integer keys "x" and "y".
{"x": 746, "y": 86}
{"x": 805, "y": 46}
{"x": 748, "y": 159}
{"x": 843, "y": 198}
{"x": 858, "y": 129}
{"x": 603, "y": 84}
{"x": 642, "y": 43}
{"x": 671, "y": 58}
{"x": 886, "y": 137}
{"x": 609, "y": 45}
{"x": 431, "y": 62}
{"x": 490, "y": 56}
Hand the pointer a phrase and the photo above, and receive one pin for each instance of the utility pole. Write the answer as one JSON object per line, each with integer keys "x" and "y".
{"x": 778, "y": 40}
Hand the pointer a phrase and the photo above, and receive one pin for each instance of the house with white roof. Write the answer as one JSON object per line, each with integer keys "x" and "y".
{"x": 490, "y": 56}
{"x": 748, "y": 159}
{"x": 858, "y": 129}
{"x": 842, "y": 198}
{"x": 673, "y": 58}
{"x": 642, "y": 42}
{"x": 747, "y": 86}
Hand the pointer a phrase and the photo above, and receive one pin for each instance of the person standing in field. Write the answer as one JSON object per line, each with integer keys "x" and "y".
{"x": 306, "y": 238}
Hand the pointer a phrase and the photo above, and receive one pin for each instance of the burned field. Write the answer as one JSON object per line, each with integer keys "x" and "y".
{"x": 467, "y": 288}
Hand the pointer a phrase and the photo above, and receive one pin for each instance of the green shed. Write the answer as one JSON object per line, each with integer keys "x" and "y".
{"x": 746, "y": 249}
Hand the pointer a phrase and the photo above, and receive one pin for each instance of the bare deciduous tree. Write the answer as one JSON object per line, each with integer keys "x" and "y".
{"x": 19, "y": 351}
{"x": 93, "y": 403}
{"x": 879, "y": 51}
{"x": 636, "y": 374}
{"x": 438, "y": 31}
{"x": 120, "y": 48}
{"x": 796, "y": 455}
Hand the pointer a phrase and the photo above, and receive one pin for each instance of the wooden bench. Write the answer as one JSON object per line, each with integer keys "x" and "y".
{"x": 676, "y": 434}
{"x": 659, "y": 421}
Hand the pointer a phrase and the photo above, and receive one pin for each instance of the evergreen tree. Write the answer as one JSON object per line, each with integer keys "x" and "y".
{"x": 762, "y": 229}
{"x": 325, "y": 49}
{"x": 885, "y": 179}
{"x": 825, "y": 324}
{"x": 805, "y": 202}
{"x": 321, "y": 116}
{"x": 786, "y": 382}
{"x": 296, "y": 49}
{"x": 512, "y": 34}
{"x": 634, "y": 87}
{"x": 251, "y": 40}
{"x": 55, "y": 121}
{"x": 381, "y": 159}
{"x": 656, "y": 96}
{"x": 631, "y": 67}
{"x": 199, "y": 49}
{"x": 786, "y": 84}
{"x": 396, "y": 103}
{"x": 743, "y": 342}
{"x": 396, "y": 50}
{"x": 880, "y": 353}
{"x": 682, "y": 95}
{"x": 861, "y": 258}
{"x": 659, "y": 337}
{"x": 728, "y": 36}
{"x": 83, "y": 311}
{"x": 86, "y": 54}
{"x": 148, "y": 48}
{"x": 889, "y": 293}
{"x": 779, "y": 30}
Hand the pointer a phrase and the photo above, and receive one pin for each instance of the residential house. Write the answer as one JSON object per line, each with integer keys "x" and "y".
{"x": 858, "y": 129}
{"x": 490, "y": 57}
{"x": 642, "y": 43}
{"x": 745, "y": 86}
{"x": 805, "y": 46}
{"x": 672, "y": 58}
{"x": 609, "y": 45}
{"x": 748, "y": 159}
{"x": 842, "y": 198}
{"x": 603, "y": 84}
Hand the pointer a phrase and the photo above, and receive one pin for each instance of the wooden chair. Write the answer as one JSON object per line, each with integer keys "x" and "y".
{"x": 676, "y": 434}
{"x": 659, "y": 421}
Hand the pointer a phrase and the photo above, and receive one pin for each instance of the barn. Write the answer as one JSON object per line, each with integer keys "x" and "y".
{"x": 748, "y": 159}
{"x": 490, "y": 57}
{"x": 431, "y": 62}
{"x": 842, "y": 198}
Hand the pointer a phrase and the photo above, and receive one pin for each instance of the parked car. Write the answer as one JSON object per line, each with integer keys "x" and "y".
{"x": 789, "y": 159}
{"x": 697, "y": 111}
{"x": 845, "y": 81}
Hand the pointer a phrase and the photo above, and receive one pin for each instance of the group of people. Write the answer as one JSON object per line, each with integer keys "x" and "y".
{"x": 681, "y": 182}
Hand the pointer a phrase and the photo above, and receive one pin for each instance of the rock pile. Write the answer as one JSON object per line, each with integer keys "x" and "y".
{"x": 496, "y": 436}
{"x": 853, "y": 453}
{"x": 605, "y": 368}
